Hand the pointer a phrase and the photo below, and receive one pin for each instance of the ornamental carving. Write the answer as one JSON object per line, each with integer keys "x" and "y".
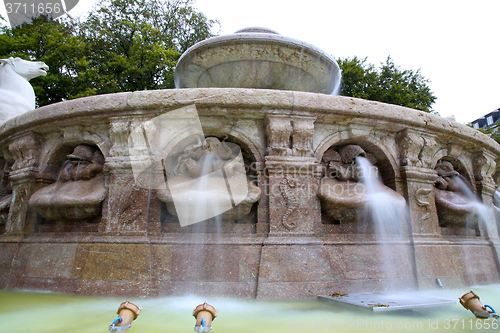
{"x": 287, "y": 186}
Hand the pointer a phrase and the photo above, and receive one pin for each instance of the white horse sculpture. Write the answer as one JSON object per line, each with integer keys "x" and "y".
{"x": 16, "y": 93}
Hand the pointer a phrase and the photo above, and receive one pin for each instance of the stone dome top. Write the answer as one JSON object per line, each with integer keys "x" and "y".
{"x": 257, "y": 57}
{"x": 257, "y": 30}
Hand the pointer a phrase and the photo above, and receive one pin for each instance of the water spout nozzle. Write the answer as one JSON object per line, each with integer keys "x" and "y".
{"x": 438, "y": 282}
{"x": 204, "y": 314}
{"x": 470, "y": 301}
{"x": 127, "y": 312}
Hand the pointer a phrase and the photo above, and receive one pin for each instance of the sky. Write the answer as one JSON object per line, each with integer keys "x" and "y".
{"x": 454, "y": 43}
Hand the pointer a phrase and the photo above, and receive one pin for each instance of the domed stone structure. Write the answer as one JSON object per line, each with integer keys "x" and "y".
{"x": 283, "y": 244}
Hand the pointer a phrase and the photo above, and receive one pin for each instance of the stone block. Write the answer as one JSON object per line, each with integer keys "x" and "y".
{"x": 122, "y": 262}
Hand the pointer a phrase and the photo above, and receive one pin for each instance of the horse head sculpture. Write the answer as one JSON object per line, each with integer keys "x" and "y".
{"x": 16, "y": 93}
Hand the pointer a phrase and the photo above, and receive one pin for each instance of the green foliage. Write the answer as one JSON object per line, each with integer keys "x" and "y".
{"x": 388, "y": 84}
{"x": 53, "y": 42}
{"x": 135, "y": 44}
{"x": 123, "y": 45}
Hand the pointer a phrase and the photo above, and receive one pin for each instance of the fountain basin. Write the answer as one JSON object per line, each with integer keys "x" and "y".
{"x": 135, "y": 252}
{"x": 257, "y": 58}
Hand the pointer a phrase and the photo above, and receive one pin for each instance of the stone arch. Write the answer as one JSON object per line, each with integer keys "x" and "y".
{"x": 386, "y": 161}
{"x": 54, "y": 152}
{"x": 247, "y": 145}
{"x": 460, "y": 163}
{"x": 250, "y": 150}
{"x": 172, "y": 155}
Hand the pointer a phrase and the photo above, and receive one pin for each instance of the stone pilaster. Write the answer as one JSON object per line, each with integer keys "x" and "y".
{"x": 484, "y": 168}
{"x": 25, "y": 151}
{"x": 262, "y": 227}
{"x": 419, "y": 194}
{"x": 293, "y": 173}
{"x": 128, "y": 206}
{"x": 416, "y": 150}
{"x": 294, "y": 207}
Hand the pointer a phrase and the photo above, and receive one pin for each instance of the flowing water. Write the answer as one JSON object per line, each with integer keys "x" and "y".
{"x": 22, "y": 312}
{"x": 483, "y": 212}
{"x": 204, "y": 244}
{"x": 387, "y": 214}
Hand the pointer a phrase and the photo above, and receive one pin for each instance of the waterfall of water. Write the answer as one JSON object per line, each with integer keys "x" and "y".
{"x": 481, "y": 211}
{"x": 383, "y": 209}
{"x": 387, "y": 213}
{"x": 205, "y": 253}
{"x": 484, "y": 212}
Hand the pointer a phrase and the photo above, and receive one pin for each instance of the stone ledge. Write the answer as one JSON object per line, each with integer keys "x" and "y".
{"x": 267, "y": 101}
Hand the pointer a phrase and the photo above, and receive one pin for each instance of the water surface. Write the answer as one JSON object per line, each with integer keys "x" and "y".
{"x": 22, "y": 311}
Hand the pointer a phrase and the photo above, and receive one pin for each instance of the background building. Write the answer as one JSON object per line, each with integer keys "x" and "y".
{"x": 489, "y": 120}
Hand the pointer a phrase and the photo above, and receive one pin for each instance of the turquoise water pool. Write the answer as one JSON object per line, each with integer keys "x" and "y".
{"x": 22, "y": 311}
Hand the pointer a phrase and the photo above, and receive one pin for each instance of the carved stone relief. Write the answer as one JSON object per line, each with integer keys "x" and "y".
{"x": 290, "y": 135}
{"x": 343, "y": 196}
{"x": 287, "y": 188}
{"x": 79, "y": 191}
{"x": 452, "y": 202}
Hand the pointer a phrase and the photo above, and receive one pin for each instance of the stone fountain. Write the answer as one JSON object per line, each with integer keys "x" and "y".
{"x": 76, "y": 218}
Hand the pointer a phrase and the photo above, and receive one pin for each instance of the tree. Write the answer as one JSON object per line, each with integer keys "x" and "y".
{"x": 53, "y": 42}
{"x": 388, "y": 84}
{"x": 123, "y": 45}
{"x": 135, "y": 44}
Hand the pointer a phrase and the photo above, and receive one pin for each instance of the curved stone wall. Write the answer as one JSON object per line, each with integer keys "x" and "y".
{"x": 281, "y": 249}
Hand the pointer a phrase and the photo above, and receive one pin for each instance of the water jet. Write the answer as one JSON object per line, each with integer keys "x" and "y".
{"x": 204, "y": 314}
{"x": 127, "y": 313}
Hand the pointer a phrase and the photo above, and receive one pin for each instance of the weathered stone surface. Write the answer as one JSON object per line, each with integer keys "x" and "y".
{"x": 7, "y": 252}
{"x": 128, "y": 262}
{"x": 264, "y": 60}
{"x": 136, "y": 249}
{"x": 203, "y": 97}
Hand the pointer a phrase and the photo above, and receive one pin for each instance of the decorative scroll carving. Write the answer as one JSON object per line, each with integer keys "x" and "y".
{"x": 410, "y": 144}
{"x": 422, "y": 199}
{"x": 428, "y": 150}
{"x": 124, "y": 201}
{"x": 416, "y": 148}
{"x": 303, "y": 131}
{"x": 420, "y": 196}
{"x": 484, "y": 167}
{"x": 455, "y": 150}
{"x": 5, "y": 194}
{"x": 290, "y": 135}
{"x": 279, "y": 132}
{"x": 25, "y": 151}
{"x": 292, "y": 201}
